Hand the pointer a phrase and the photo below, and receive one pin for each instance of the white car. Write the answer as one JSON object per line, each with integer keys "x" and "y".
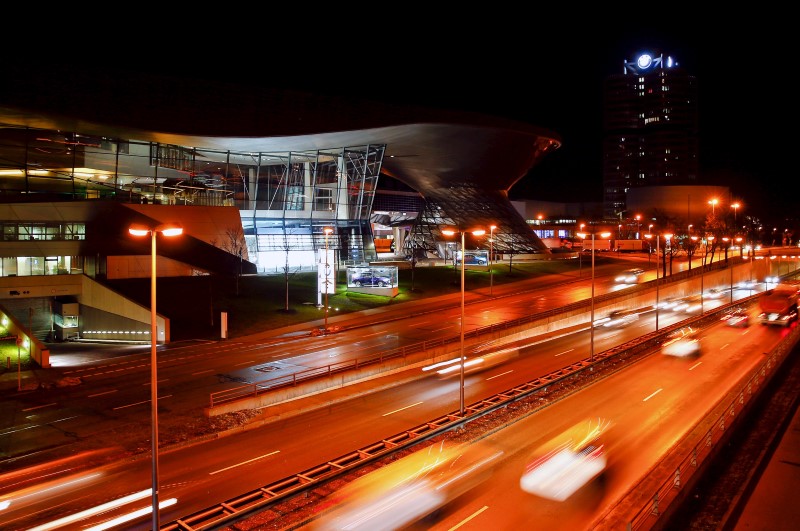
{"x": 568, "y": 462}
{"x": 682, "y": 343}
{"x": 629, "y": 276}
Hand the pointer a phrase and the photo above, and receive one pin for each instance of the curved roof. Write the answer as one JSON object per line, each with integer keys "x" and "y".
{"x": 429, "y": 150}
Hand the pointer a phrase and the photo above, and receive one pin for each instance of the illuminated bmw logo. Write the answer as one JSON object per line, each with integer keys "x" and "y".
{"x": 644, "y": 61}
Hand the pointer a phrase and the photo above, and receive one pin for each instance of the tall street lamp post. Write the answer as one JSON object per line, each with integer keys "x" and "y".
{"x": 452, "y": 232}
{"x": 591, "y": 316}
{"x": 735, "y": 207}
{"x": 658, "y": 254}
{"x": 491, "y": 255}
{"x": 638, "y": 226}
{"x": 327, "y": 231}
{"x": 580, "y": 255}
{"x": 713, "y": 204}
{"x": 166, "y": 230}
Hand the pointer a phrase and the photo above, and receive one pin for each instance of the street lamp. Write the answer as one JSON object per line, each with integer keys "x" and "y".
{"x": 491, "y": 253}
{"x": 658, "y": 254}
{"x": 452, "y": 232}
{"x": 713, "y": 203}
{"x": 580, "y": 253}
{"x": 166, "y": 230}
{"x": 638, "y": 225}
{"x": 591, "y": 317}
{"x": 735, "y": 207}
{"x": 327, "y": 231}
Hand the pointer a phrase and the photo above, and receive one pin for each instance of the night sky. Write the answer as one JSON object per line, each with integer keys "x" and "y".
{"x": 545, "y": 71}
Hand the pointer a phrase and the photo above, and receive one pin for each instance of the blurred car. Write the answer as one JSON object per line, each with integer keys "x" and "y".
{"x": 477, "y": 363}
{"x": 618, "y": 318}
{"x": 629, "y": 276}
{"x": 747, "y": 284}
{"x": 682, "y": 343}
{"x": 566, "y": 463}
{"x": 368, "y": 280}
{"x": 407, "y": 490}
{"x": 738, "y": 317}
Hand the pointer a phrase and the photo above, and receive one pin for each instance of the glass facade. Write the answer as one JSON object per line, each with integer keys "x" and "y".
{"x": 285, "y": 199}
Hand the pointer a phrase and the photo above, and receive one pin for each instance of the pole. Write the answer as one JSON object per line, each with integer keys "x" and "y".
{"x": 658, "y": 253}
{"x": 154, "y": 379}
{"x": 326, "y": 282}
{"x": 591, "y": 321}
{"x": 461, "y": 387}
{"x": 19, "y": 369}
{"x": 491, "y": 247}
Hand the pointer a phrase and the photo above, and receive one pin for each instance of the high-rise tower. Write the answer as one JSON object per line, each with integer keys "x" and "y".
{"x": 650, "y": 129}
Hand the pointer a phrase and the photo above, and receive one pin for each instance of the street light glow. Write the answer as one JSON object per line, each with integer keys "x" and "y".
{"x": 168, "y": 230}
{"x": 450, "y": 231}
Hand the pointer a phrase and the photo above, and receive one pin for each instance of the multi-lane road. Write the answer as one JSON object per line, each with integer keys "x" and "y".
{"x": 650, "y": 410}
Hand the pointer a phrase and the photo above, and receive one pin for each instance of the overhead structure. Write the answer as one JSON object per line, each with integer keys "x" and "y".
{"x": 292, "y": 163}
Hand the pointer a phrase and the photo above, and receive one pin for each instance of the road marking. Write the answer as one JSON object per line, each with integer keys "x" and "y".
{"x": 401, "y": 409}
{"x": 470, "y": 517}
{"x": 245, "y": 363}
{"x": 695, "y": 365}
{"x": 103, "y": 393}
{"x": 201, "y": 372}
{"x": 142, "y": 402}
{"x": 243, "y": 463}
{"x": 652, "y": 395}
{"x": 39, "y": 407}
{"x": 566, "y": 351}
{"x": 498, "y": 375}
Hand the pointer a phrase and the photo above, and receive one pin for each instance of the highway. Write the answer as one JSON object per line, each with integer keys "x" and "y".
{"x": 200, "y": 475}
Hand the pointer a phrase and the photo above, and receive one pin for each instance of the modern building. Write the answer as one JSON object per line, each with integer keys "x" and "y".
{"x": 650, "y": 129}
{"x": 261, "y": 180}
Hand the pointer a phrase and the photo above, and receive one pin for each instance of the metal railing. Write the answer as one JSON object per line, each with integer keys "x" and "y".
{"x": 706, "y": 442}
{"x": 257, "y": 388}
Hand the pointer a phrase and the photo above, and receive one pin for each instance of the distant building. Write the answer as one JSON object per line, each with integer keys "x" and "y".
{"x": 650, "y": 129}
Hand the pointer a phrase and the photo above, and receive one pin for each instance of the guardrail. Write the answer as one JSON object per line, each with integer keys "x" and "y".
{"x": 722, "y": 421}
{"x": 255, "y": 389}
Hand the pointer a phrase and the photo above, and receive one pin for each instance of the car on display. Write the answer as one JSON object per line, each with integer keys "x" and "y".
{"x": 475, "y": 259}
{"x": 629, "y": 276}
{"x": 566, "y": 463}
{"x": 371, "y": 280}
{"x": 682, "y": 343}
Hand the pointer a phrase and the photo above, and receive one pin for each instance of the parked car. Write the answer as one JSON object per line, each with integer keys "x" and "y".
{"x": 368, "y": 280}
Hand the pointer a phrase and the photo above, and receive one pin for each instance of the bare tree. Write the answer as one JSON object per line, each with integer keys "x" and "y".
{"x": 234, "y": 243}
{"x": 287, "y": 270}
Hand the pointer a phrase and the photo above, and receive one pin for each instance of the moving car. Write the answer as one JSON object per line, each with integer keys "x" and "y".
{"x": 737, "y": 317}
{"x": 682, "y": 343}
{"x": 407, "y": 490}
{"x": 629, "y": 276}
{"x": 566, "y": 463}
{"x": 618, "y": 318}
{"x": 480, "y": 362}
